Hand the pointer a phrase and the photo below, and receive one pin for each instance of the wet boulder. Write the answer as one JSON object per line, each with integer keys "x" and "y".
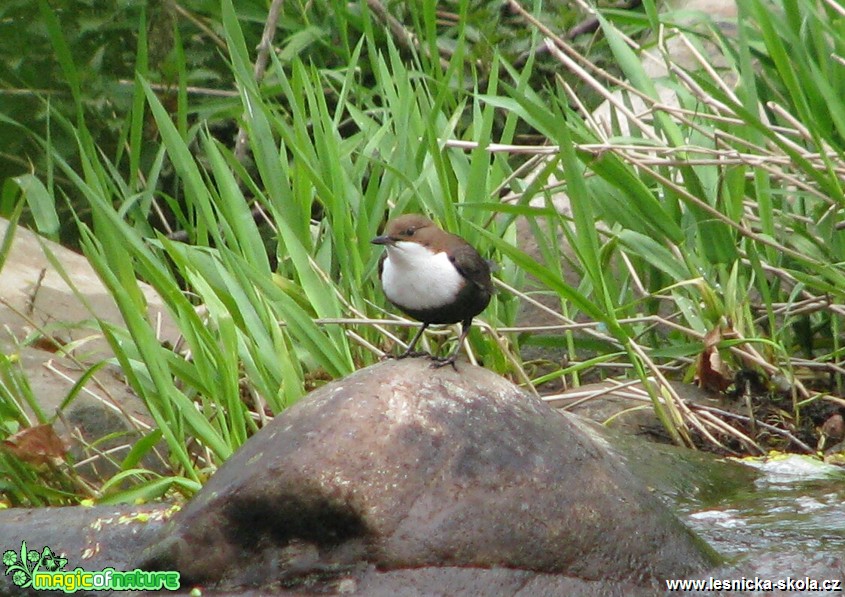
{"x": 402, "y": 467}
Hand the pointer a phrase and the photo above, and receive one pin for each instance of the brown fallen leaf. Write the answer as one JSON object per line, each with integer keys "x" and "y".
{"x": 37, "y": 445}
{"x": 711, "y": 371}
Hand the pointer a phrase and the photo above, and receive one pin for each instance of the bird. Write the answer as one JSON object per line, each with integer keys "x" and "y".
{"x": 434, "y": 276}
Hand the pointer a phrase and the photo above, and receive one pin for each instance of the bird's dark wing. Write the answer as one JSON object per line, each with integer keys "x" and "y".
{"x": 472, "y": 267}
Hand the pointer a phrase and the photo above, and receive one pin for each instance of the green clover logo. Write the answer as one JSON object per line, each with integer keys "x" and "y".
{"x": 20, "y": 568}
{"x": 23, "y": 566}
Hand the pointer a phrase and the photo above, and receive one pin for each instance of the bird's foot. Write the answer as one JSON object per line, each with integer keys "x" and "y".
{"x": 438, "y": 362}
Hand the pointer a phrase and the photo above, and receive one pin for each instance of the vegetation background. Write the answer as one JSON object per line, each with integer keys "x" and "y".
{"x": 244, "y": 180}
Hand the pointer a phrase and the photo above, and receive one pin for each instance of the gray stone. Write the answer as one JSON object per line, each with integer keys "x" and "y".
{"x": 90, "y": 538}
{"x": 36, "y": 296}
{"x": 401, "y": 466}
{"x": 43, "y": 308}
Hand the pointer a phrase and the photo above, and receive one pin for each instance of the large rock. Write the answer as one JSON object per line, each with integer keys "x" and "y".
{"x": 403, "y": 467}
{"x": 35, "y": 295}
{"x": 43, "y": 308}
{"x": 91, "y": 538}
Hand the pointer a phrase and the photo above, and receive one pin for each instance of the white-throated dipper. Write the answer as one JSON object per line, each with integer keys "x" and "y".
{"x": 433, "y": 276}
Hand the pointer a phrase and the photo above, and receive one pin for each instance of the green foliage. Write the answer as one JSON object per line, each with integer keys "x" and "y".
{"x": 723, "y": 212}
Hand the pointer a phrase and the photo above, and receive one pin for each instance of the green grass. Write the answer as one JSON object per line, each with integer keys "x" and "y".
{"x": 721, "y": 213}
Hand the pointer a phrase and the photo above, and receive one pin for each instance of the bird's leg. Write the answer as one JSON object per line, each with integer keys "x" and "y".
{"x": 438, "y": 362}
{"x": 409, "y": 352}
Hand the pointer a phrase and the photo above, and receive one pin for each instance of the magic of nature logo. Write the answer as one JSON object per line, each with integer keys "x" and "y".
{"x": 44, "y": 571}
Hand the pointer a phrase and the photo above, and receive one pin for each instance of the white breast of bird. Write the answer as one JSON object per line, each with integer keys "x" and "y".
{"x": 415, "y": 278}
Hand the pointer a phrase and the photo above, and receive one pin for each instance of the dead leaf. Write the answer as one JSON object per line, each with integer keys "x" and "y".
{"x": 711, "y": 372}
{"x": 37, "y": 445}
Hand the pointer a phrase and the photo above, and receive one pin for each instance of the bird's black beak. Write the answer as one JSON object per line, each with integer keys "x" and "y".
{"x": 383, "y": 240}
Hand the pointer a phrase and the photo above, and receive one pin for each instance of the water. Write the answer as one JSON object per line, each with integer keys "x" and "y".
{"x": 797, "y": 502}
{"x": 789, "y": 522}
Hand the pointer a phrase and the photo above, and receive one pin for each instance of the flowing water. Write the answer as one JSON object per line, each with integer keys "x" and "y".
{"x": 789, "y": 522}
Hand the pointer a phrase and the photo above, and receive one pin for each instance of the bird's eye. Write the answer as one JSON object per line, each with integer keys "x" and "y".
{"x": 409, "y": 232}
